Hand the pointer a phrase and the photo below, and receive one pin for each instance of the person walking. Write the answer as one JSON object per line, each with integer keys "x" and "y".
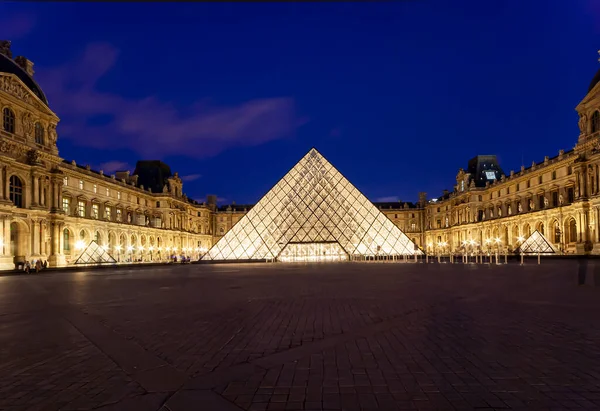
{"x": 27, "y": 267}
{"x": 38, "y": 266}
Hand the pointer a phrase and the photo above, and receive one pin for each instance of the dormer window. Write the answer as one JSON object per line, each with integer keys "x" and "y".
{"x": 8, "y": 120}
{"x": 39, "y": 134}
{"x": 596, "y": 121}
{"x": 81, "y": 184}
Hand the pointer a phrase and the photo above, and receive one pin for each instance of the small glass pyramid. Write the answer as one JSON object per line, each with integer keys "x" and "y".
{"x": 537, "y": 243}
{"x": 95, "y": 254}
{"x": 312, "y": 213}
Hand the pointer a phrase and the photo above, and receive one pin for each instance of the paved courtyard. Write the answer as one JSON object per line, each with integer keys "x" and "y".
{"x": 348, "y": 336}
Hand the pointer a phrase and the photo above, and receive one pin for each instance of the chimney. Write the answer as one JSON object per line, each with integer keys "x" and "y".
{"x": 5, "y": 48}
{"x": 25, "y": 64}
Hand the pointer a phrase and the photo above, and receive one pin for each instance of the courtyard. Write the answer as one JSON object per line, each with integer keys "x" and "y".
{"x": 339, "y": 336}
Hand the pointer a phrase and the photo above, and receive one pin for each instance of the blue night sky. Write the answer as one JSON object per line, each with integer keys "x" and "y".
{"x": 397, "y": 95}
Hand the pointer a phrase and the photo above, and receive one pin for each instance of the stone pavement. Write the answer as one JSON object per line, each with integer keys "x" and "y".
{"x": 352, "y": 336}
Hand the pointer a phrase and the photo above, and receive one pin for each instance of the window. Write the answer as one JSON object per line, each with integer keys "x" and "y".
{"x": 479, "y": 198}
{"x": 81, "y": 208}
{"x": 95, "y": 189}
{"x": 569, "y": 170}
{"x": 39, "y": 133}
{"x": 158, "y": 205}
{"x": 108, "y": 212}
{"x": 81, "y": 184}
{"x": 97, "y": 237}
{"x": 8, "y": 120}
{"x": 65, "y": 181}
{"x": 540, "y": 180}
{"x": 554, "y": 198}
{"x": 66, "y": 240}
{"x": 439, "y": 223}
{"x": 507, "y": 190}
{"x": 395, "y": 215}
{"x": 570, "y": 194}
{"x": 528, "y": 183}
{"x": 119, "y": 215}
{"x": 118, "y": 195}
{"x": 596, "y": 121}
{"x": 66, "y": 205}
{"x": 107, "y": 192}
{"x": 413, "y": 227}
{"x": 16, "y": 191}
{"x": 95, "y": 211}
{"x": 518, "y": 186}
{"x": 554, "y": 175}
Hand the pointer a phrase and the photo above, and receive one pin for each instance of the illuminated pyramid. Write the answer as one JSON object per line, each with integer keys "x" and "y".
{"x": 537, "y": 243}
{"x": 94, "y": 254}
{"x": 313, "y": 212}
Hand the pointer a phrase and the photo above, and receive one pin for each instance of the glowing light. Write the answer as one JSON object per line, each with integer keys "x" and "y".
{"x": 118, "y": 248}
{"x": 498, "y": 241}
{"x": 141, "y": 248}
{"x": 151, "y": 248}
{"x": 130, "y": 248}
{"x": 520, "y": 239}
{"x": 105, "y": 247}
{"x": 174, "y": 248}
{"x": 80, "y": 245}
{"x": 487, "y": 241}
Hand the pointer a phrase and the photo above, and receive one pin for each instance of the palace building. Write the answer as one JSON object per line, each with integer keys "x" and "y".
{"x": 53, "y": 209}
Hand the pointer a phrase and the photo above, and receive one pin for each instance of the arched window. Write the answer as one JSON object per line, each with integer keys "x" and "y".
{"x": 596, "y": 121}
{"x": 39, "y": 134}
{"x": 97, "y": 237}
{"x": 82, "y": 235}
{"x": 16, "y": 191}
{"x": 556, "y": 232}
{"x": 8, "y": 120}
{"x": 66, "y": 240}
{"x": 572, "y": 231}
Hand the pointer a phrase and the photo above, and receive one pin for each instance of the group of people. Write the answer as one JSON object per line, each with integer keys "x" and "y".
{"x": 182, "y": 258}
{"x": 36, "y": 265}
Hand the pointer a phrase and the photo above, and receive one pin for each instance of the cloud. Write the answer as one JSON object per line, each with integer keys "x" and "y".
{"x": 190, "y": 177}
{"x": 16, "y": 26}
{"x": 111, "y": 166}
{"x": 150, "y": 126}
{"x": 388, "y": 199}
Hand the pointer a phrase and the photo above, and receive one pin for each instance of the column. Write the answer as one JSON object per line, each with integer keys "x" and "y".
{"x": 2, "y": 185}
{"x": 61, "y": 238}
{"x": 36, "y": 190}
{"x": 35, "y": 246}
{"x": 6, "y": 236}
{"x": 54, "y": 195}
{"x": 6, "y": 185}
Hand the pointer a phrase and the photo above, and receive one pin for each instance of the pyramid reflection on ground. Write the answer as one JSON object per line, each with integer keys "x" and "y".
{"x": 312, "y": 204}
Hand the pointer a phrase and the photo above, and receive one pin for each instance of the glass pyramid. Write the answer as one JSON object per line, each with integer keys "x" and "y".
{"x": 94, "y": 254}
{"x": 537, "y": 243}
{"x": 313, "y": 212}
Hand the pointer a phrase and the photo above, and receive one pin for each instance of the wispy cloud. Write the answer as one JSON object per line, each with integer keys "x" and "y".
{"x": 388, "y": 199}
{"x": 150, "y": 126}
{"x": 190, "y": 177}
{"x": 16, "y": 26}
{"x": 112, "y": 166}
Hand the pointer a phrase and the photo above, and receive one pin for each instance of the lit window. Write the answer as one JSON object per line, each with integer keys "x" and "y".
{"x": 66, "y": 240}
{"x": 119, "y": 215}
{"x": 81, "y": 184}
{"x": 39, "y": 134}
{"x": 65, "y": 181}
{"x": 95, "y": 188}
{"x": 81, "y": 208}
{"x": 108, "y": 212}
{"x": 66, "y": 204}
{"x": 107, "y": 192}
{"x": 95, "y": 211}
{"x": 118, "y": 195}
{"x": 413, "y": 226}
{"x": 16, "y": 191}
{"x": 8, "y": 120}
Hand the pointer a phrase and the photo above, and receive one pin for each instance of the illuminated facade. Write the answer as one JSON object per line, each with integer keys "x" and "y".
{"x": 312, "y": 214}
{"x": 52, "y": 209}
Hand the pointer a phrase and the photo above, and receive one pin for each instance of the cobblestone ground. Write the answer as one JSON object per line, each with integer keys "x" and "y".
{"x": 362, "y": 336}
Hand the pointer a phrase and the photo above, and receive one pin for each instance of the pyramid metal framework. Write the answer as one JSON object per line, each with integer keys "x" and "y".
{"x": 312, "y": 209}
{"x": 537, "y": 243}
{"x": 94, "y": 254}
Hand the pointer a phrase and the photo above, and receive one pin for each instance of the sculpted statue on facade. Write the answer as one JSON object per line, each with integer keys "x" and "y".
{"x": 546, "y": 202}
{"x": 52, "y": 134}
{"x": 560, "y": 199}
{"x": 582, "y": 123}
{"x": 531, "y": 205}
{"x": 520, "y": 207}
{"x": 27, "y": 125}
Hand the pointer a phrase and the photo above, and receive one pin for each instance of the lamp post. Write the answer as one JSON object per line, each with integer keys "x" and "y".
{"x": 520, "y": 240}
{"x": 488, "y": 244}
{"x": 498, "y": 242}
